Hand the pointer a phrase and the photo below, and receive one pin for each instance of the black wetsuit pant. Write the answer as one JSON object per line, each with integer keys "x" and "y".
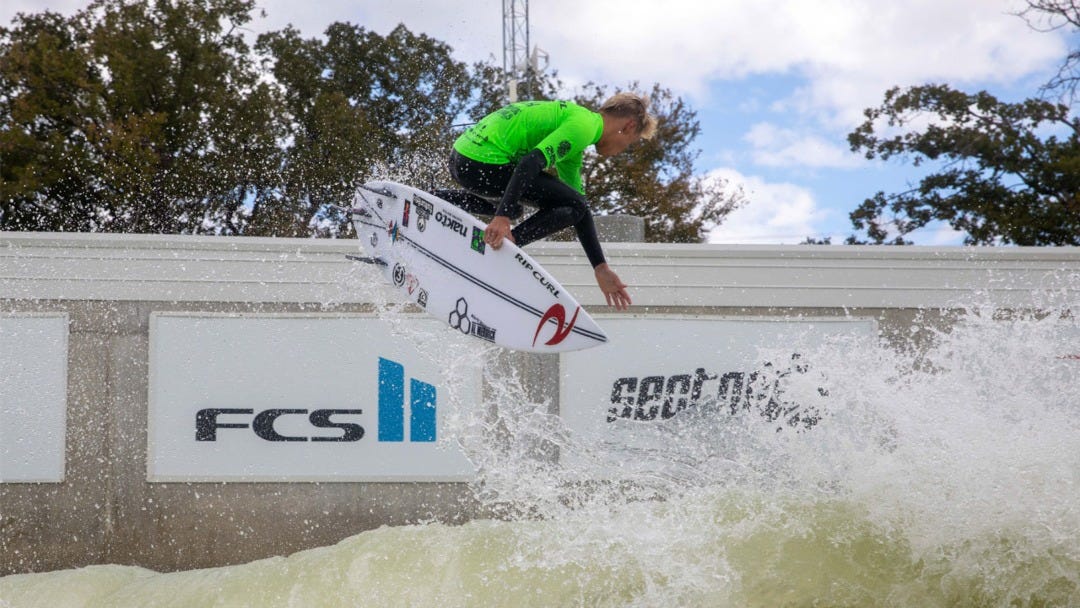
{"x": 559, "y": 205}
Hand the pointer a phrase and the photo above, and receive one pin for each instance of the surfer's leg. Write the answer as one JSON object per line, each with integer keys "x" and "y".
{"x": 544, "y": 222}
{"x": 467, "y": 201}
{"x": 560, "y": 206}
{"x": 484, "y": 185}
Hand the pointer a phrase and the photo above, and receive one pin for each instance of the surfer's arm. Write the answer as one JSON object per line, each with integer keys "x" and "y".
{"x": 590, "y": 241}
{"x": 614, "y": 289}
{"x": 610, "y": 283}
{"x": 510, "y": 206}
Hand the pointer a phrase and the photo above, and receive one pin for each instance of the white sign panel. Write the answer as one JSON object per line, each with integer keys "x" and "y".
{"x": 297, "y": 398}
{"x": 33, "y": 397}
{"x": 657, "y": 371}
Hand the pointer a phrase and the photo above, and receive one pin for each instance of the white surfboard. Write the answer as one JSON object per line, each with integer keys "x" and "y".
{"x": 435, "y": 254}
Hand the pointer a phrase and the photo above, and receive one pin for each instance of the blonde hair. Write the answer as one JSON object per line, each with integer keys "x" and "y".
{"x": 632, "y": 105}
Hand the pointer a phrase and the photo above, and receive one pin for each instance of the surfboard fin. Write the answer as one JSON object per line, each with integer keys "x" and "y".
{"x": 376, "y": 261}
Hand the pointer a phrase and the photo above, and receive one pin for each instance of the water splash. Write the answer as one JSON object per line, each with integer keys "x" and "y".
{"x": 945, "y": 472}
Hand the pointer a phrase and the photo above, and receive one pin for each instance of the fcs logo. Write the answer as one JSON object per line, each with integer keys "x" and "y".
{"x": 392, "y": 405}
{"x": 327, "y": 423}
{"x": 558, "y": 313}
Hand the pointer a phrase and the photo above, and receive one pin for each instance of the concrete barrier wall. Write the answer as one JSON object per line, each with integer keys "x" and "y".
{"x": 105, "y": 511}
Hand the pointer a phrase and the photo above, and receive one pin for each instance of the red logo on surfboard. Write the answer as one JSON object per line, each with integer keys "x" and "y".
{"x": 558, "y": 313}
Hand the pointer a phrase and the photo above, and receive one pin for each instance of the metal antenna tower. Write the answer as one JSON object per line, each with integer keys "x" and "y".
{"x": 515, "y": 46}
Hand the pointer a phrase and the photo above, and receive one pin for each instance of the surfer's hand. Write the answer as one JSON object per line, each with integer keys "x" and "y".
{"x": 497, "y": 230}
{"x": 613, "y": 287}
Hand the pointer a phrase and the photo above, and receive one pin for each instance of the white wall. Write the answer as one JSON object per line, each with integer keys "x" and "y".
{"x": 219, "y": 269}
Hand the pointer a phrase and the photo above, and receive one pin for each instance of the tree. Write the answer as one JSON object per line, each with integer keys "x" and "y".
{"x": 1009, "y": 172}
{"x": 155, "y": 116}
{"x": 489, "y": 85}
{"x": 1051, "y": 15}
{"x": 132, "y": 117}
{"x": 356, "y": 104}
{"x": 655, "y": 178}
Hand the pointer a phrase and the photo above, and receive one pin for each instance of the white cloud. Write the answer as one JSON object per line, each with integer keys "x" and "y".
{"x": 12, "y": 7}
{"x": 848, "y": 52}
{"x": 938, "y": 234}
{"x": 841, "y": 55}
{"x": 774, "y": 146}
{"x": 777, "y": 213}
{"x": 473, "y": 29}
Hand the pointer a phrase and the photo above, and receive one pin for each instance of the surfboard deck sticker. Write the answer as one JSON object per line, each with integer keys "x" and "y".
{"x": 435, "y": 254}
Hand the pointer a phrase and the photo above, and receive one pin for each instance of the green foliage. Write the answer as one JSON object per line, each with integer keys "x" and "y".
{"x": 1006, "y": 173}
{"x": 126, "y": 118}
{"x": 357, "y": 102}
{"x": 1052, "y": 15}
{"x": 655, "y": 178}
{"x": 156, "y": 116}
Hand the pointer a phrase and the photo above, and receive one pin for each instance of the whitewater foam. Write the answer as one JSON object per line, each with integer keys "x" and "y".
{"x": 942, "y": 474}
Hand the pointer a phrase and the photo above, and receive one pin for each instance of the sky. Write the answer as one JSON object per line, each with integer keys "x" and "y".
{"x": 776, "y": 84}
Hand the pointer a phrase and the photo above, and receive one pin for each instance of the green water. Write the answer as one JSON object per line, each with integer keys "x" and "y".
{"x": 947, "y": 478}
{"x": 705, "y": 550}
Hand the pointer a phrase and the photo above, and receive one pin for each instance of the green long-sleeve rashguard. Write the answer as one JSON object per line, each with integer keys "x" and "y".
{"x": 561, "y": 130}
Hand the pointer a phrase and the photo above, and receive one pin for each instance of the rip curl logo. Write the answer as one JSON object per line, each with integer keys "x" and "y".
{"x": 558, "y": 314}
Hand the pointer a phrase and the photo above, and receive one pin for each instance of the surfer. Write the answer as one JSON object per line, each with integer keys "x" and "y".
{"x": 503, "y": 157}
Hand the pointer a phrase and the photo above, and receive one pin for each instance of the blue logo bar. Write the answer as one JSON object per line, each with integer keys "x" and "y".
{"x": 392, "y": 405}
{"x": 422, "y": 414}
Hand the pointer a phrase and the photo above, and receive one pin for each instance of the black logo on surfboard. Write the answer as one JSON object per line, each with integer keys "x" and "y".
{"x": 461, "y": 320}
{"x": 449, "y": 220}
{"x": 424, "y": 209}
